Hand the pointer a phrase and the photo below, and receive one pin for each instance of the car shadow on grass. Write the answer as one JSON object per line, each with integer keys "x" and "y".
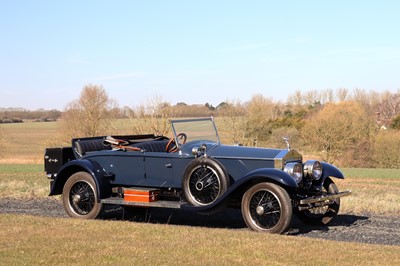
{"x": 340, "y": 222}
{"x": 228, "y": 218}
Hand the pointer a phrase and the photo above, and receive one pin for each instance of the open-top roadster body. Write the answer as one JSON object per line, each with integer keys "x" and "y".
{"x": 193, "y": 171}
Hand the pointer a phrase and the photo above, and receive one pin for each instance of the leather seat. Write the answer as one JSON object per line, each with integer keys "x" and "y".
{"x": 84, "y": 146}
{"x": 152, "y": 146}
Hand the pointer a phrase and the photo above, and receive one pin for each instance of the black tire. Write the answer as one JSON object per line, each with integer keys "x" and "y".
{"x": 80, "y": 197}
{"x": 267, "y": 208}
{"x": 204, "y": 181}
{"x": 322, "y": 215}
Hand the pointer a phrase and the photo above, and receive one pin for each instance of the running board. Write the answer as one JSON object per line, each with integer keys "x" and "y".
{"x": 154, "y": 204}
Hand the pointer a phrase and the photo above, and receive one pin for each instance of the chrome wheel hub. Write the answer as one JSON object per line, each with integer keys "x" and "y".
{"x": 76, "y": 199}
{"x": 260, "y": 210}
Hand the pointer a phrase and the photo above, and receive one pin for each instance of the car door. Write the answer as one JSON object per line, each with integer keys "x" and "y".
{"x": 158, "y": 169}
{"x": 128, "y": 167}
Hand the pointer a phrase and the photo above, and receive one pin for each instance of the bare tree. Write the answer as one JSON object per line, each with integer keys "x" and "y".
{"x": 337, "y": 128}
{"x": 342, "y": 94}
{"x": 233, "y": 113}
{"x": 259, "y": 111}
{"x": 326, "y": 96}
{"x": 311, "y": 97}
{"x": 295, "y": 99}
{"x": 90, "y": 115}
{"x": 152, "y": 117}
{"x": 389, "y": 105}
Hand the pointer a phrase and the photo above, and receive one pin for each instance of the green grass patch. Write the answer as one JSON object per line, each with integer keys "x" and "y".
{"x": 31, "y": 240}
{"x": 21, "y": 168}
{"x": 374, "y": 173}
{"x": 23, "y": 180}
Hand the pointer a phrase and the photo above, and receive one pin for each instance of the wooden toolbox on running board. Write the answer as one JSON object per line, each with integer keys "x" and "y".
{"x": 140, "y": 194}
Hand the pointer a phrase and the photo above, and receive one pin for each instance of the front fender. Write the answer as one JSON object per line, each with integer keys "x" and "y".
{"x": 330, "y": 170}
{"x": 91, "y": 167}
{"x": 260, "y": 175}
{"x": 273, "y": 175}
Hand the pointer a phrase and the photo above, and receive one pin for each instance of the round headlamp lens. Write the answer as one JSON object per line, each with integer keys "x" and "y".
{"x": 313, "y": 169}
{"x": 294, "y": 169}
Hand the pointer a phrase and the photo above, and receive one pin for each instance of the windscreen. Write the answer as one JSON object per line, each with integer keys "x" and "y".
{"x": 196, "y": 129}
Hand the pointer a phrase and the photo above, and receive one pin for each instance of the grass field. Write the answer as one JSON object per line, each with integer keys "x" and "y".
{"x": 42, "y": 241}
{"x": 57, "y": 241}
{"x": 25, "y": 142}
{"x": 29, "y": 240}
{"x": 374, "y": 190}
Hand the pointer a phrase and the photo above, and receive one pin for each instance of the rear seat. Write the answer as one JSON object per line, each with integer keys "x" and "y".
{"x": 152, "y": 146}
{"x": 84, "y": 146}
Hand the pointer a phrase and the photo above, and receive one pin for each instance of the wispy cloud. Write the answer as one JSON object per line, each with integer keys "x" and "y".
{"x": 367, "y": 53}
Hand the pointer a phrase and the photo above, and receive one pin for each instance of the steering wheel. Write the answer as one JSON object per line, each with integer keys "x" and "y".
{"x": 171, "y": 146}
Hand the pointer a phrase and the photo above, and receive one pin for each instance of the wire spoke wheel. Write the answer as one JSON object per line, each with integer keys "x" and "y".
{"x": 80, "y": 197}
{"x": 266, "y": 207}
{"x": 204, "y": 185}
{"x": 204, "y": 181}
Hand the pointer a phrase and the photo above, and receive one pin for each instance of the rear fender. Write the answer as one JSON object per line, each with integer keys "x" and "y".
{"x": 272, "y": 175}
{"x": 94, "y": 169}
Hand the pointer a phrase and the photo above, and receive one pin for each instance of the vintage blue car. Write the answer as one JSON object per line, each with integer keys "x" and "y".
{"x": 193, "y": 171}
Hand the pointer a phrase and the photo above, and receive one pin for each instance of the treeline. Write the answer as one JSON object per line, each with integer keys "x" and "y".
{"x": 355, "y": 128}
{"x": 351, "y": 128}
{"x": 18, "y": 115}
{"x": 383, "y": 105}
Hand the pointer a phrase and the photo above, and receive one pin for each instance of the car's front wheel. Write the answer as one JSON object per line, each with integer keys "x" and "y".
{"x": 80, "y": 197}
{"x": 266, "y": 207}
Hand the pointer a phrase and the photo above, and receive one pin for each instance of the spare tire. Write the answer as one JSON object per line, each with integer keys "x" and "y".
{"x": 204, "y": 181}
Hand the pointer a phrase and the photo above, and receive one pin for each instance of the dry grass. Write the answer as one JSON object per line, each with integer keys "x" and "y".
{"x": 22, "y": 181}
{"x": 30, "y": 240}
{"x": 35, "y": 240}
{"x": 25, "y": 142}
{"x": 378, "y": 196}
{"x": 376, "y": 191}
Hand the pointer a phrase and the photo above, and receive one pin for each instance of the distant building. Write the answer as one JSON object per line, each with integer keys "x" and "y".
{"x": 383, "y": 124}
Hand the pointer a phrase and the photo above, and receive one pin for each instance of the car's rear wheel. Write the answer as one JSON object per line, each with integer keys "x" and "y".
{"x": 322, "y": 215}
{"x": 80, "y": 197}
{"x": 204, "y": 181}
{"x": 267, "y": 208}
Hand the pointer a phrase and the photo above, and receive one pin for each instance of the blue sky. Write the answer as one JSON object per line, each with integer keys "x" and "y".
{"x": 194, "y": 51}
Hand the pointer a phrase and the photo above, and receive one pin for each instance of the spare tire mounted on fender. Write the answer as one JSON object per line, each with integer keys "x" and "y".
{"x": 204, "y": 181}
